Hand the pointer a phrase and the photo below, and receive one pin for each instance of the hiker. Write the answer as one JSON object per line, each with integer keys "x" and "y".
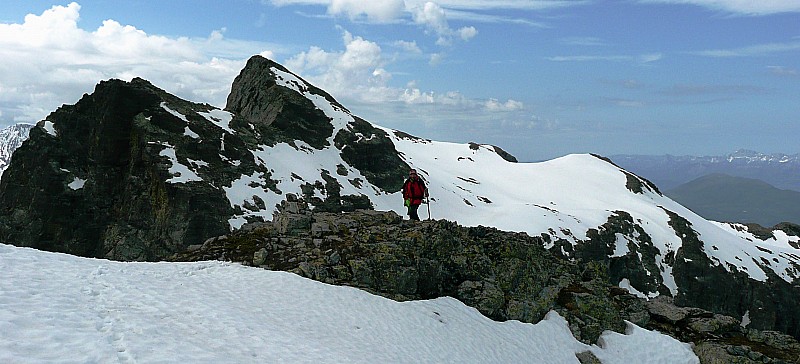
{"x": 413, "y": 192}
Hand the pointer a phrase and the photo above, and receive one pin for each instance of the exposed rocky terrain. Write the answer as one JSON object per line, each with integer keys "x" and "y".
{"x": 507, "y": 276}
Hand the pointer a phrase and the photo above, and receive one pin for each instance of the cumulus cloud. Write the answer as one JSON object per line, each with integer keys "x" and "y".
{"x": 467, "y": 33}
{"x": 427, "y": 14}
{"x": 496, "y": 106}
{"x": 358, "y": 74}
{"x": 48, "y": 61}
{"x": 408, "y": 47}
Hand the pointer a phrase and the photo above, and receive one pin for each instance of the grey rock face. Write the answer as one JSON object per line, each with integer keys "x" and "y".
{"x": 277, "y": 113}
{"x": 93, "y": 178}
{"x": 131, "y": 172}
{"x": 280, "y": 114}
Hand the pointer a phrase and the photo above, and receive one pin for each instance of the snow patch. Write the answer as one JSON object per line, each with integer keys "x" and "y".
{"x": 625, "y": 283}
{"x": 220, "y": 118}
{"x": 243, "y": 192}
{"x": 179, "y": 172}
{"x": 77, "y": 183}
{"x": 621, "y": 246}
{"x": 173, "y": 112}
{"x": 745, "y": 319}
{"x": 50, "y": 128}
{"x": 340, "y": 118}
{"x": 188, "y": 132}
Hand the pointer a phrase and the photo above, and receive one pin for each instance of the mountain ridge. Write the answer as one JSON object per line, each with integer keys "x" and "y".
{"x": 668, "y": 171}
{"x": 722, "y": 197}
{"x": 139, "y": 174}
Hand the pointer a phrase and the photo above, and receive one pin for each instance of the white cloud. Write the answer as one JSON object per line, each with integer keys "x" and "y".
{"x": 751, "y": 51}
{"x": 783, "y": 71}
{"x": 643, "y": 58}
{"x": 432, "y": 17}
{"x": 377, "y": 11}
{"x": 436, "y": 59}
{"x": 467, "y": 33}
{"x": 408, "y": 47}
{"x": 427, "y": 14}
{"x": 584, "y": 41}
{"x": 502, "y": 4}
{"x": 55, "y": 61}
{"x": 493, "y": 105}
{"x": 355, "y": 73}
{"x": 358, "y": 75}
{"x": 743, "y": 7}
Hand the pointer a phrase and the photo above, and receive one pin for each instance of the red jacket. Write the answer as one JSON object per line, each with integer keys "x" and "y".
{"x": 414, "y": 190}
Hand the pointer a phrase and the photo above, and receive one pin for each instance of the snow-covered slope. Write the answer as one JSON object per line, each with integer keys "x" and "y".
{"x": 472, "y": 184}
{"x": 10, "y": 139}
{"x": 61, "y": 308}
{"x": 568, "y": 196}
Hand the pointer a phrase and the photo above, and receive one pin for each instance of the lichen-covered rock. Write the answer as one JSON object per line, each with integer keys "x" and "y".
{"x": 504, "y": 275}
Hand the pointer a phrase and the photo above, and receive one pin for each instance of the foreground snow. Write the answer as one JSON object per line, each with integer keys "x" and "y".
{"x": 61, "y": 308}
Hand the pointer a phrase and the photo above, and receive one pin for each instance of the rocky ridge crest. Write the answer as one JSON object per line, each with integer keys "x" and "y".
{"x": 506, "y": 276}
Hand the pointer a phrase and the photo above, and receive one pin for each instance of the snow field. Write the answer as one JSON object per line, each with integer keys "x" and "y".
{"x": 57, "y": 308}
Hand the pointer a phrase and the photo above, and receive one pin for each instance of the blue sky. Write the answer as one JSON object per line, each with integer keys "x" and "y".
{"x": 539, "y": 78}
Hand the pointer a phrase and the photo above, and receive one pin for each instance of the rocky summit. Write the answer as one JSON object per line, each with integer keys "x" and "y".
{"x": 131, "y": 172}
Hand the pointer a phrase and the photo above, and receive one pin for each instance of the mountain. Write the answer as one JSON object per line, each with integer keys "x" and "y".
{"x": 10, "y": 139}
{"x": 668, "y": 172}
{"x": 131, "y": 172}
{"x": 721, "y": 197}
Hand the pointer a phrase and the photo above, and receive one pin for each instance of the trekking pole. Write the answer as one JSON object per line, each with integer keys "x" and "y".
{"x": 429, "y": 206}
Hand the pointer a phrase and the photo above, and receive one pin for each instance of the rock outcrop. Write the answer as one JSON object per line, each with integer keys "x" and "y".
{"x": 131, "y": 172}
{"x": 96, "y": 178}
{"x": 506, "y": 276}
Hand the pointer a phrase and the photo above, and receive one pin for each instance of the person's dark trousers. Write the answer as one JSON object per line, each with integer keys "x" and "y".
{"x": 412, "y": 212}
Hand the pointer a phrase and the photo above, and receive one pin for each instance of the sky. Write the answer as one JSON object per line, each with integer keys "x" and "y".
{"x": 61, "y": 308}
{"x": 540, "y": 78}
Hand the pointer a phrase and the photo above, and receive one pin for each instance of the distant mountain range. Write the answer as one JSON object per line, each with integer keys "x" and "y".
{"x": 668, "y": 172}
{"x": 10, "y": 139}
{"x": 722, "y": 197}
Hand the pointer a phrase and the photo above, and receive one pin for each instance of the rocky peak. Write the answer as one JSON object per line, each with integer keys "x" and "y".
{"x": 282, "y": 107}
{"x": 104, "y": 177}
{"x": 279, "y": 113}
